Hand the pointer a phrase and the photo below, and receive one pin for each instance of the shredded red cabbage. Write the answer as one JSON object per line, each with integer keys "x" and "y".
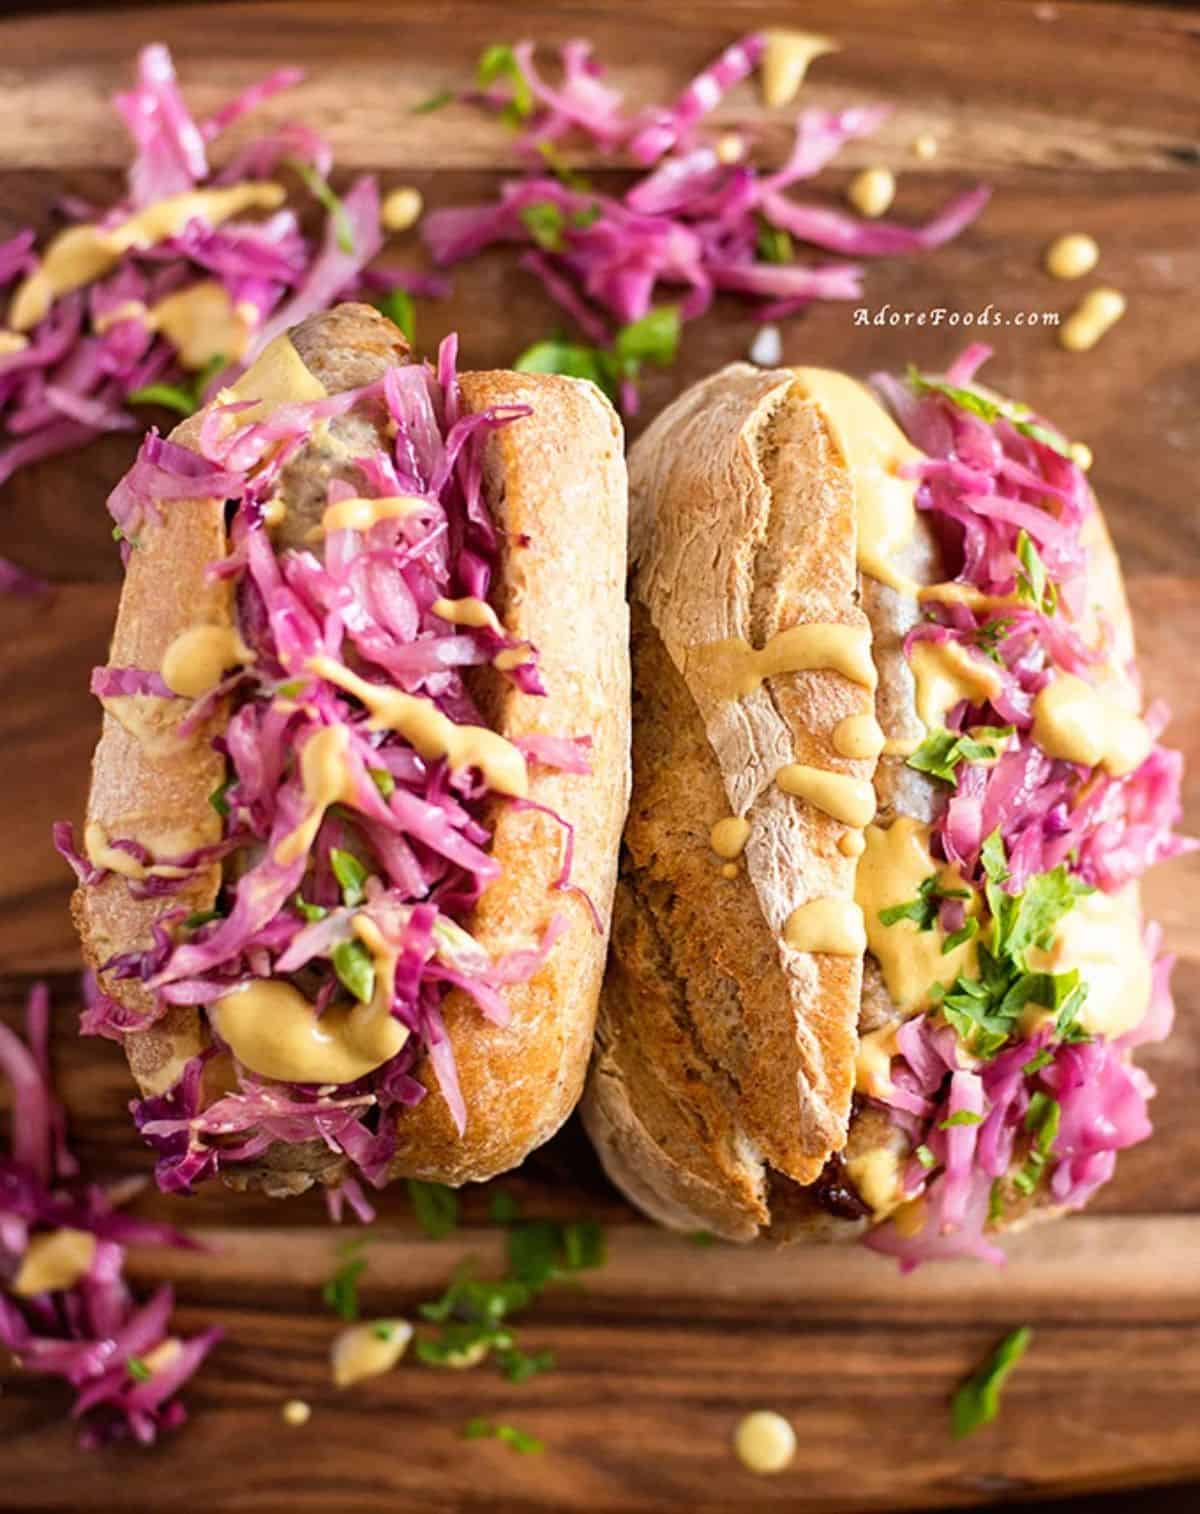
{"x": 695, "y": 222}
{"x": 997, "y": 480}
{"x": 93, "y": 350}
{"x": 120, "y": 1356}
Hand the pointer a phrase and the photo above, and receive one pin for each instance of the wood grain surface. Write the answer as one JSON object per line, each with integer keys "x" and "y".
{"x": 1083, "y": 117}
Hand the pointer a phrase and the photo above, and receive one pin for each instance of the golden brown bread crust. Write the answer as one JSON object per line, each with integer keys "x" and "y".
{"x": 681, "y": 1059}
{"x": 556, "y": 485}
{"x": 558, "y": 477}
{"x": 743, "y": 526}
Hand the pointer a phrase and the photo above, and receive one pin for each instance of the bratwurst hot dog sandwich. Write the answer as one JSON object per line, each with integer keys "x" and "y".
{"x": 878, "y": 960}
{"x": 347, "y": 866}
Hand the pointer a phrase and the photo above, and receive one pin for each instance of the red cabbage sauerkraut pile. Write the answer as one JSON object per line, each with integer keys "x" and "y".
{"x": 401, "y": 857}
{"x": 1005, "y": 1111}
{"x": 65, "y": 1308}
{"x": 700, "y": 218}
{"x": 121, "y": 332}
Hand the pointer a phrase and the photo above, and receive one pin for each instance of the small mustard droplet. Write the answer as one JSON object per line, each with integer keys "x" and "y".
{"x": 1071, "y": 256}
{"x": 872, "y": 191}
{"x": 764, "y": 1441}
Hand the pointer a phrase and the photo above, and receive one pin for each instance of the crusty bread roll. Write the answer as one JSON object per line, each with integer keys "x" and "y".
{"x": 722, "y": 1090}
{"x": 555, "y": 484}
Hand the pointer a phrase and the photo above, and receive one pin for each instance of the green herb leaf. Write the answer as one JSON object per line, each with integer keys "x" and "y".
{"x": 923, "y": 910}
{"x": 977, "y": 1402}
{"x": 570, "y": 358}
{"x": 1036, "y": 1063}
{"x": 383, "y": 781}
{"x": 397, "y": 305}
{"x": 565, "y": 174}
{"x": 653, "y": 339}
{"x": 340, "y": 1292}
{"x": 774, "y": 244}
{"x": 702, "y": 1238}
{"x": 961, "y": 1117}
{"x": 942, "y": 750}
{"x": 500, "y": 62}
{"x": 925, "y": 1156}
{"x": 503, "y": 1208}
{"x": 311, "y": 912}
{"x": 351, "y": 876}
{"x": 544, "y": 222}
{"x": 138, "y": 1369}
{"x": 1032, "y": 582}
{"x": 519, "y": 1366}
{"x": 957, "y": 938}
{"x": 169, "y": 396}
{"x": 434, "y": 102}
{"x": 355, "y": 970}
{"x": 318, "y": 186}
{"x": 202, "y": 917}
{"x": 435, "y": 1206}
{"x": 991, "y": 409}
{"x": 217, "y": 798}
{"x": 518, "y": 1440}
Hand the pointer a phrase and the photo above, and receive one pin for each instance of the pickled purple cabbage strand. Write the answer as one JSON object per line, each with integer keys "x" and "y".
{"x": 119, "y": 1355}
{"x": 417, "y": 829}
{"x": 985, "y": 486}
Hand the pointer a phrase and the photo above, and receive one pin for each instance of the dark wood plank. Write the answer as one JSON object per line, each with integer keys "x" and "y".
{"x": 1083, "y": 116}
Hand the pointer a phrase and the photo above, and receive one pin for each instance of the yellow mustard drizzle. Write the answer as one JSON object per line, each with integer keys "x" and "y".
{"x": 202, "y": 323}
{"x": 401, "y": 208}
{"x": 891, "y": 870}
{"x": 1078, "y": 723}
{"x": 850, "y": 800}
{"x": 1102, "y": 937}
{"x": 1072, "y": 255}
{"x": 876, "y": 1175}
{"x": 327, "y": 780}
{"x": 468, "y": 612}
{"x": 733, "y": 669}
{"x": 785, "y": 61}
{"x": 195, "y": 659}
{"x": 53, "y": 1261}
{"x": 967, "y": 594}
{"x": 729, "y": 836}
{"x": 272, "y": 1029}
{"x": 859, "y": 737}
{"x": 82, "y": 254}
{"x": 430, "y": 732}
{"x": 277, "y": 377}
{"x": 873, "y": 1064}
{"x": 368, "y": 1350}
{"x": 852, "y": 844}
{"x": 102, "y": 853}
{"x": 361, "y": 514}
{"x": 945, "y": 672}
{"x": 827, "y": 925}
{"x": 875, "y": 448}
{"x": 872, "y": 191}
{"x": 1096, "y": 314}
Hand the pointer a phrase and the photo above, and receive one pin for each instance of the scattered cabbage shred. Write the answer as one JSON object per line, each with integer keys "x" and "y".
{"x": 83, "y": 366}
{"x": 696, "y": 221}
{"x": 999, "y": 1121}
{"x": 118, "y": 1355}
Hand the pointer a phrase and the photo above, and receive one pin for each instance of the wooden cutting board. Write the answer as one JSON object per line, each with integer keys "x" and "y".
{"x": 1084, "y": 117}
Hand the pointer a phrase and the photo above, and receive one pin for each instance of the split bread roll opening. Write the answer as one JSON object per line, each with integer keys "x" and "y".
{"x": 754, "y": 996}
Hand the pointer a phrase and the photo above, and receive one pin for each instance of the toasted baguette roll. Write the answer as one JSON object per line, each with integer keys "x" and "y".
{"x": 722, "y": 1090}
{"x": 555, "y": 483}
